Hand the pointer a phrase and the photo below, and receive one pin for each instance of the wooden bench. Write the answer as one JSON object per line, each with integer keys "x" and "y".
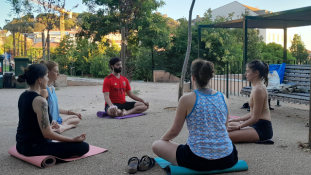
{"x": 298, "y": 74}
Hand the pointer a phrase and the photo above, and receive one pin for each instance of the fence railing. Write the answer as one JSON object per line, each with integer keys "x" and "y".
{"x": 229, "y": 78}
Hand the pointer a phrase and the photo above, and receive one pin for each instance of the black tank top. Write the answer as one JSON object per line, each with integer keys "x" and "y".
{"x": 28, "y": 130}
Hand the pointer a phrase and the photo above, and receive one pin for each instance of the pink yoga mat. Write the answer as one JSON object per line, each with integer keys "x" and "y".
{"x": 48, "y": 160}
{"x": 103, "y": 114}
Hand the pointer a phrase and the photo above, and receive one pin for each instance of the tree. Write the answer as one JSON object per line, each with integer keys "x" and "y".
{"x": 273, "y": 53}
{"x": 298, "y": 49}
{"x": 153, "y": 34}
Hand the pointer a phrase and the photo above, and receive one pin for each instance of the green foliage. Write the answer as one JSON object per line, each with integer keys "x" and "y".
{"x": 298, "y": 49}
{"x": 100, "y": 66}
{"x": 274, "y": 52}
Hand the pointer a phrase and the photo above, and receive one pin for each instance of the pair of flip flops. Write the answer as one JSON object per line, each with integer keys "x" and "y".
{"x": 144, "y": 164}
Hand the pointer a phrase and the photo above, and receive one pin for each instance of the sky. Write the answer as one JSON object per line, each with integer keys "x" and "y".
{"x": 180, "y": 8}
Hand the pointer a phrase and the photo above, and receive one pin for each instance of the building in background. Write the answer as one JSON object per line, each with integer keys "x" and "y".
{"x": 269, "y": 35}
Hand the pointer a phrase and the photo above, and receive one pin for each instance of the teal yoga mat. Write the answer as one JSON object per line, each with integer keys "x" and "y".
{"x": 178, "y": 170}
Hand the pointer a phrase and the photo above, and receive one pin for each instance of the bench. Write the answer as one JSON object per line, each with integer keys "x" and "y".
{"x": 298, "y": 74}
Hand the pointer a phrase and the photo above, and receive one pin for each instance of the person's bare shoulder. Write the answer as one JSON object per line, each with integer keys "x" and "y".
{"x": 188, "y": 98}
{"x": 44, "y": 93}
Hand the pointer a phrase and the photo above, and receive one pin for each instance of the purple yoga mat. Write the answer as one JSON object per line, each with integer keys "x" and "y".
{"x": 103, "y": 114}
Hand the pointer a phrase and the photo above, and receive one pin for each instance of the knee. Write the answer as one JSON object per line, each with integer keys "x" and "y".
{"x": 83, "y": 148}
{"x": 156, "y": 146}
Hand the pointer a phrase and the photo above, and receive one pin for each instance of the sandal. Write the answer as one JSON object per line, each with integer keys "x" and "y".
{"x": 146, "y": 163}
{"x": 133, "y": 165}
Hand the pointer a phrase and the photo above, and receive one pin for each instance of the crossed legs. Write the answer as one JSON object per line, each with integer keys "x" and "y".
{"x": 166, "y": 150}
{"x": 139, "y": 107}
{"x": 247, "y": 134}
{"x": 68, "y": 122}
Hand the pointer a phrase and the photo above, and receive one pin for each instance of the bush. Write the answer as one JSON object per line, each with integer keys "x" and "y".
{"x": 100, "y": 66}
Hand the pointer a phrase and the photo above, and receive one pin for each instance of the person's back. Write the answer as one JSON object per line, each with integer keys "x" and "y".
{"x": 208, "y": 136}
{"x": 205, "y": 112}
{"x": 28, "y": 130}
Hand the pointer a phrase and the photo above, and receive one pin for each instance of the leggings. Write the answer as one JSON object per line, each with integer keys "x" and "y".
{"x": 58, "y": 149}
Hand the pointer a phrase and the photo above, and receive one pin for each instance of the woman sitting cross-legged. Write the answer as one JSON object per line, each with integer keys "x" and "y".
{"x": 65, "y": 118}
{"x": 205, "y": 111}
{"x": 255, "y": 125}
{"x": 34, "y": 133}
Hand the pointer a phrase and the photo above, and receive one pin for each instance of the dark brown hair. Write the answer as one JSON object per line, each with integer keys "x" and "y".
{"x": 32, "y": 73}
{"x": 262, "y": 68}
{"x": 203, "y": 71}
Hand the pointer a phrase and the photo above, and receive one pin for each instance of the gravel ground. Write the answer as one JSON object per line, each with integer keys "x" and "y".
{"x": 133, "y": 137}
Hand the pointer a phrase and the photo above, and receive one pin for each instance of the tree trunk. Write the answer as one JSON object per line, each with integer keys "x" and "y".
{"x": 14, "y": 45}
{"x": 25, "y": 45}
{"x": 182, "y": 78}
{"x": 18, "y": 51}
{"x": 43, "y": 47}
{"x": 123, "y": 73}
{"x": 48, "y": 45}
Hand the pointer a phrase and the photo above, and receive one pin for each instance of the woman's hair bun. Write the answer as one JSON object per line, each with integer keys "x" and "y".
{"x": 22, "y": 78}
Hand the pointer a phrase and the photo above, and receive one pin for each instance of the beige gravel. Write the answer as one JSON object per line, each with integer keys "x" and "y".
{"x": 133, "y": 137}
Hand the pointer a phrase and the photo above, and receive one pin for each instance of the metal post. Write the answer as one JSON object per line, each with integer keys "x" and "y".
{"x": 285, "y": 45}
{"x": 48, "y": 45}
{"x": 227, "y": 91}
{"x": 244, "y": 45}
{"x": 14, "y": 45}
{"x": 25, "y": 45}
{"x": 199, "y": 31}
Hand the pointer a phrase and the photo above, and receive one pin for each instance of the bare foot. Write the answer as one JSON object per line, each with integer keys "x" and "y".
{"x": 123, "y": 112}
{"x": 64, "y": 127}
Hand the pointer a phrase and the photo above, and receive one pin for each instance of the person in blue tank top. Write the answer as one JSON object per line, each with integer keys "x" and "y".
{"x": 65, "y": 118}
{"x": 206, "y": 113}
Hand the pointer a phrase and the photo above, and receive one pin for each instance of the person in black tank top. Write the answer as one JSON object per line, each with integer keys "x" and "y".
{"x": 34, "y": 133}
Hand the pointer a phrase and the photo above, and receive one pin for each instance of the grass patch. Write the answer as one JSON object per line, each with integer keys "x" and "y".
{"x": 136, "y": 92}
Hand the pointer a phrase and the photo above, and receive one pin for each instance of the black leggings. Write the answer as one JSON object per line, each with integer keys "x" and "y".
{"x": 58, "y": 149}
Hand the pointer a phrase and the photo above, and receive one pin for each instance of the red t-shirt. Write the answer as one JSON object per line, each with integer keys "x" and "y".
{"x": 116, "y": 88}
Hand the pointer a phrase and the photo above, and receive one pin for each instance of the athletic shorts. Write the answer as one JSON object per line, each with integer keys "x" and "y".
{"x": 127, "y": 106}
{"x": 186, "y": 158}
{"x": 263, "y": 129}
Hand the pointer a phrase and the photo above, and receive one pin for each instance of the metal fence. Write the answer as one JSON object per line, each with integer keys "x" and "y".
{"x": 229, "y": 77}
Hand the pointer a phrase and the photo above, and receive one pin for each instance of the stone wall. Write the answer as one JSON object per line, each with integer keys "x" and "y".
{"x": 162, "y": 76}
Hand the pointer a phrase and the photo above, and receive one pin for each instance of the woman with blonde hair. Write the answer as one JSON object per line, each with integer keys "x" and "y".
{"x": 65, "y": 118}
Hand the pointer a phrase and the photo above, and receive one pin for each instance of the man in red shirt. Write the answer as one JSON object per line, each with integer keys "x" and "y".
{"x": 114, "y": 88}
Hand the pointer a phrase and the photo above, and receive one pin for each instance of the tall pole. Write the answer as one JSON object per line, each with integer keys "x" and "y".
{"x": 285, "y": 45}
{"x": 123, "y": 73}
{"x": 183, "y": 72}
{"x": 244, "y": 45}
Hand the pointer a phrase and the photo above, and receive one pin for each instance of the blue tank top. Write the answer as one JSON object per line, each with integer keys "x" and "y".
{"x": 208, "y": 136}
{"x": 53, "y": 104}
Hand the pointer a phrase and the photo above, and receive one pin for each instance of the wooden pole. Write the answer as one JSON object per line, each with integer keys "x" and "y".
{"x": 123, "y": 73}
{"x": 182, "y": 78}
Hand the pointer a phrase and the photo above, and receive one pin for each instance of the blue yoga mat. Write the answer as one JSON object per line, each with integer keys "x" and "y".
{"x": 178, "y": 170}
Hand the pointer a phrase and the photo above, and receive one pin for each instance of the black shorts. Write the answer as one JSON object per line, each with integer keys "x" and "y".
{"x": 186, "y": 158}
{"x": 263, "y": 129}
{"x": 127, "y": 106}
